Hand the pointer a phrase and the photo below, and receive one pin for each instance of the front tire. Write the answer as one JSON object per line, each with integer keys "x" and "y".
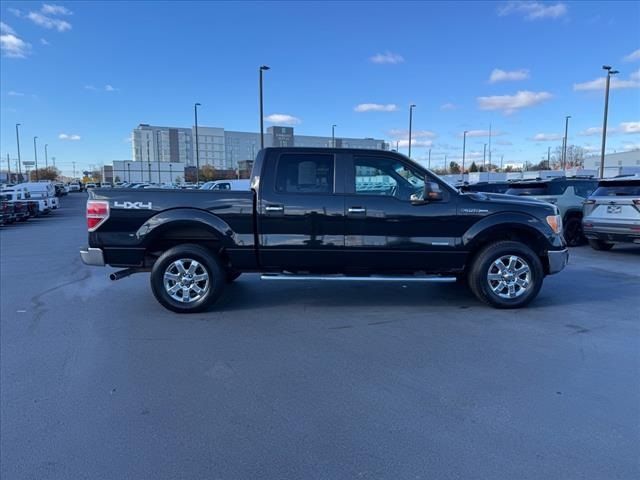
{"x": 572, "y": 231}
{"x": 600, "y": 245}
{"x": 187, "y": 278}
{"x": 506, "y": 274}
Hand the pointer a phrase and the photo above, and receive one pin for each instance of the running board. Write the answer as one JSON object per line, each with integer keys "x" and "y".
{"x": 372, "y": 278}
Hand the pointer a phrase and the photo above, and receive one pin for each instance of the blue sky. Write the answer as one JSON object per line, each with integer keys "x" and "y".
{"x": 81, "y": 75}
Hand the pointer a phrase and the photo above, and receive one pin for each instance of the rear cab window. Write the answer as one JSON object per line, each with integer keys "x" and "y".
{"x": 537, "y": 189}
{"x": 305, "y": 173}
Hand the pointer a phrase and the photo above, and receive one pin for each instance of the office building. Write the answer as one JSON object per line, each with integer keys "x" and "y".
{"x": 225, "y": 149}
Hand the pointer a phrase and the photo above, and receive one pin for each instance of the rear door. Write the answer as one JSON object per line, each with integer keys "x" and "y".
{"x": 301, "y": 211}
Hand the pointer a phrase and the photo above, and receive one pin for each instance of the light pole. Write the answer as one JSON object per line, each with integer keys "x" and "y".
{"x": 606, "y": 112}
{"x": 8, "y": 169}
{"x": 548, "y": 158}
{"x": 429, "y": 160}
{"x": 53, "y": 159}
{"x": 195, "y": 112}
{"x": 445, "y": 163}
{"x": 464, "y": 149}
{"x": 333, "y": 136}
{"x": 564, "y": 148}
{"x": 18, "y": 143}
{"x": 263, "y": 68}
{"x": 501, "y": 160}
{"x": 411, "y": 107}
{"x": 35, "y": 154}
{"x": 46, "y": 156}
{"x": 484, "y": 158}
{"x": 158, "y": 154}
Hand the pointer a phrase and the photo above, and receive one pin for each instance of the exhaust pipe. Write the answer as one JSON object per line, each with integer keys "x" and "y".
{"x": 123, "y": 273}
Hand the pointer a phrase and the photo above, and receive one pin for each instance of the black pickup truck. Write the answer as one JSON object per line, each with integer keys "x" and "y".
{"x": 327, "y": 214}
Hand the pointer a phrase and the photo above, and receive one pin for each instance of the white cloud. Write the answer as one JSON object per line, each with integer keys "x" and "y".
{"x": 110, "y": 88}
{"x": 481, "y": 133}
{"x": 73, "y": 137}
{"x": 282, "y": 119}
{"x": 628, "y": 146}
{"x": 498, "y": 75}
{"x": 532, "y": 10}
{"x": 376, "y": 107}
{"x": 505, "y": 143}
{"x": 399, "y": 133}
{"x": 55, "y": 10}
{"x": 448, "y": 106}
{"x": 46, "y": 17}
{"x": 414, "y": 143}
{"x": 43, "y": 41}
{"x": 509, "y": 104}
{"x": 387, "y": 57}
{"x": 633, "y": 56}
{"x": 13, "y": 93}
{"x": 616, "y": 83}
{"x": 629, "y": 127}
{"x": 546, "y": 137}
{"x": 11, "y": 45}
{"x": 6, "y": 29}
{"x": 90, "y": 87}
{"x": 591, "y": 131}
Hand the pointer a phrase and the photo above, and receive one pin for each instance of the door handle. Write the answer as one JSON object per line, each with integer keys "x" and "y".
{"x": 274, "y": 208}
{"x": 356, "y": 210}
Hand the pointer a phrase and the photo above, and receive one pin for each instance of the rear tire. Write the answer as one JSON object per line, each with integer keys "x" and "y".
{"x": 572, "y": 231}
{"x": 187, "y": 278}
{"x": 600, "y": 245}
{"x": 506, "y": 274}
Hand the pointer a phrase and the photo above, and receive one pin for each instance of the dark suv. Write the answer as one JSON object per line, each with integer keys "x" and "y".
{"x": 567, "y": 193}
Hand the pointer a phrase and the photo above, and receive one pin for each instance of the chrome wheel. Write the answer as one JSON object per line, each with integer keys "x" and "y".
{"x": 509, "y": 276}
{"x": 186, "y": 280}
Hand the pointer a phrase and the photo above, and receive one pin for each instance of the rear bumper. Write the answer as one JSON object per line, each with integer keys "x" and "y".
{"x": 92, "y": 256}
{"x": 613, "y": 232}
{"x": 558, "y": 259}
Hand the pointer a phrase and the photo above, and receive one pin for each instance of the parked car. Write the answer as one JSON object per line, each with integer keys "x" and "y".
{"x": 612, "y": 213}
{"x": 91, "y": 185}
{"x": 227, "y": 185}
{"x": 567, "y": 193}
{"x": 308, "y": 218}
{"x": 22, "y": 195}
{"x": 74, "y": 187}
{"x": 7, "y": 210}
{"x": 42, "y": 190}
{"x": 490, "y": 187}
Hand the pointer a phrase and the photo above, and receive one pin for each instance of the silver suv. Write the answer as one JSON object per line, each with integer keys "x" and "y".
{"x": 612, "y": 213}
{"x": 567, "y": 193}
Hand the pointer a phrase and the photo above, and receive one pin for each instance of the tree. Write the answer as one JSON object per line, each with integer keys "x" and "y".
{"x": 48, "y": 173}
{"x": 575, "y": 157}
{"x": 473, "y": 167}
{"x": 454, "y": 167}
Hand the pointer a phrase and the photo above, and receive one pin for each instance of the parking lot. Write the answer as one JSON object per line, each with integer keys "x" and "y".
{"x": 312, "y": 380}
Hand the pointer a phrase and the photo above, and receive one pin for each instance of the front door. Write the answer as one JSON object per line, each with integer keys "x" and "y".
{"x": 384, "y": 230}
{"x": 301, "y": 213}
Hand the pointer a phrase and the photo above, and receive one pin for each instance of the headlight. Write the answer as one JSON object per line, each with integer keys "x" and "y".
{"x": 555, "y": 222}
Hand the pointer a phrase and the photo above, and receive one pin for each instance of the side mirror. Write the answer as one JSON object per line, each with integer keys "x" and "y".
{"x": 432, "y": 192}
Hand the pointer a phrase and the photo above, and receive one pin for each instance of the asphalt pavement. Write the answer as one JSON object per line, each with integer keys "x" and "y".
{"x": 312, "y": 380}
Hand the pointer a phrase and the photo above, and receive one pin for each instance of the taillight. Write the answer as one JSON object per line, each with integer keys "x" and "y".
{"x": 97, "y": 213}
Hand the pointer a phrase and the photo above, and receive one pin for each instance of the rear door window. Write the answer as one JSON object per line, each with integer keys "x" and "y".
{"x": 305, "y": 173}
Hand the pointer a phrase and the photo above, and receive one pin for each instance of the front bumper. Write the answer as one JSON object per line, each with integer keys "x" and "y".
{"x": 558, "y": 259}
{"x": 92, "y": 256}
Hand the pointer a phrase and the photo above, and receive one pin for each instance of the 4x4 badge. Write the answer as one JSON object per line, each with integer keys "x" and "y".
{"x": 133, "y": 205}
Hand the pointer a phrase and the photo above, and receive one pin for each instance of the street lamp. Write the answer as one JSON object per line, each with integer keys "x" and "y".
{"x": 333, "y": 136}
{"x": 35, "y": 154}
{"x": 564, "y": 147}
{"x": 606, "y": 112}
{"x": 429, "y": 167}
{"x": 46, "y": 156}
{"x": 484, "y": 158}
{"x": 18, "y": 143}
{"x": 195, "y": 112}
{"x": 464, "y": 148}
{"x": 263, "y": 68}
{"x": 411, "y": 107}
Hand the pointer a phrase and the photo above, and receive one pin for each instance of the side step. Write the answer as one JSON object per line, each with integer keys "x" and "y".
{"x": 372, "y": 278}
